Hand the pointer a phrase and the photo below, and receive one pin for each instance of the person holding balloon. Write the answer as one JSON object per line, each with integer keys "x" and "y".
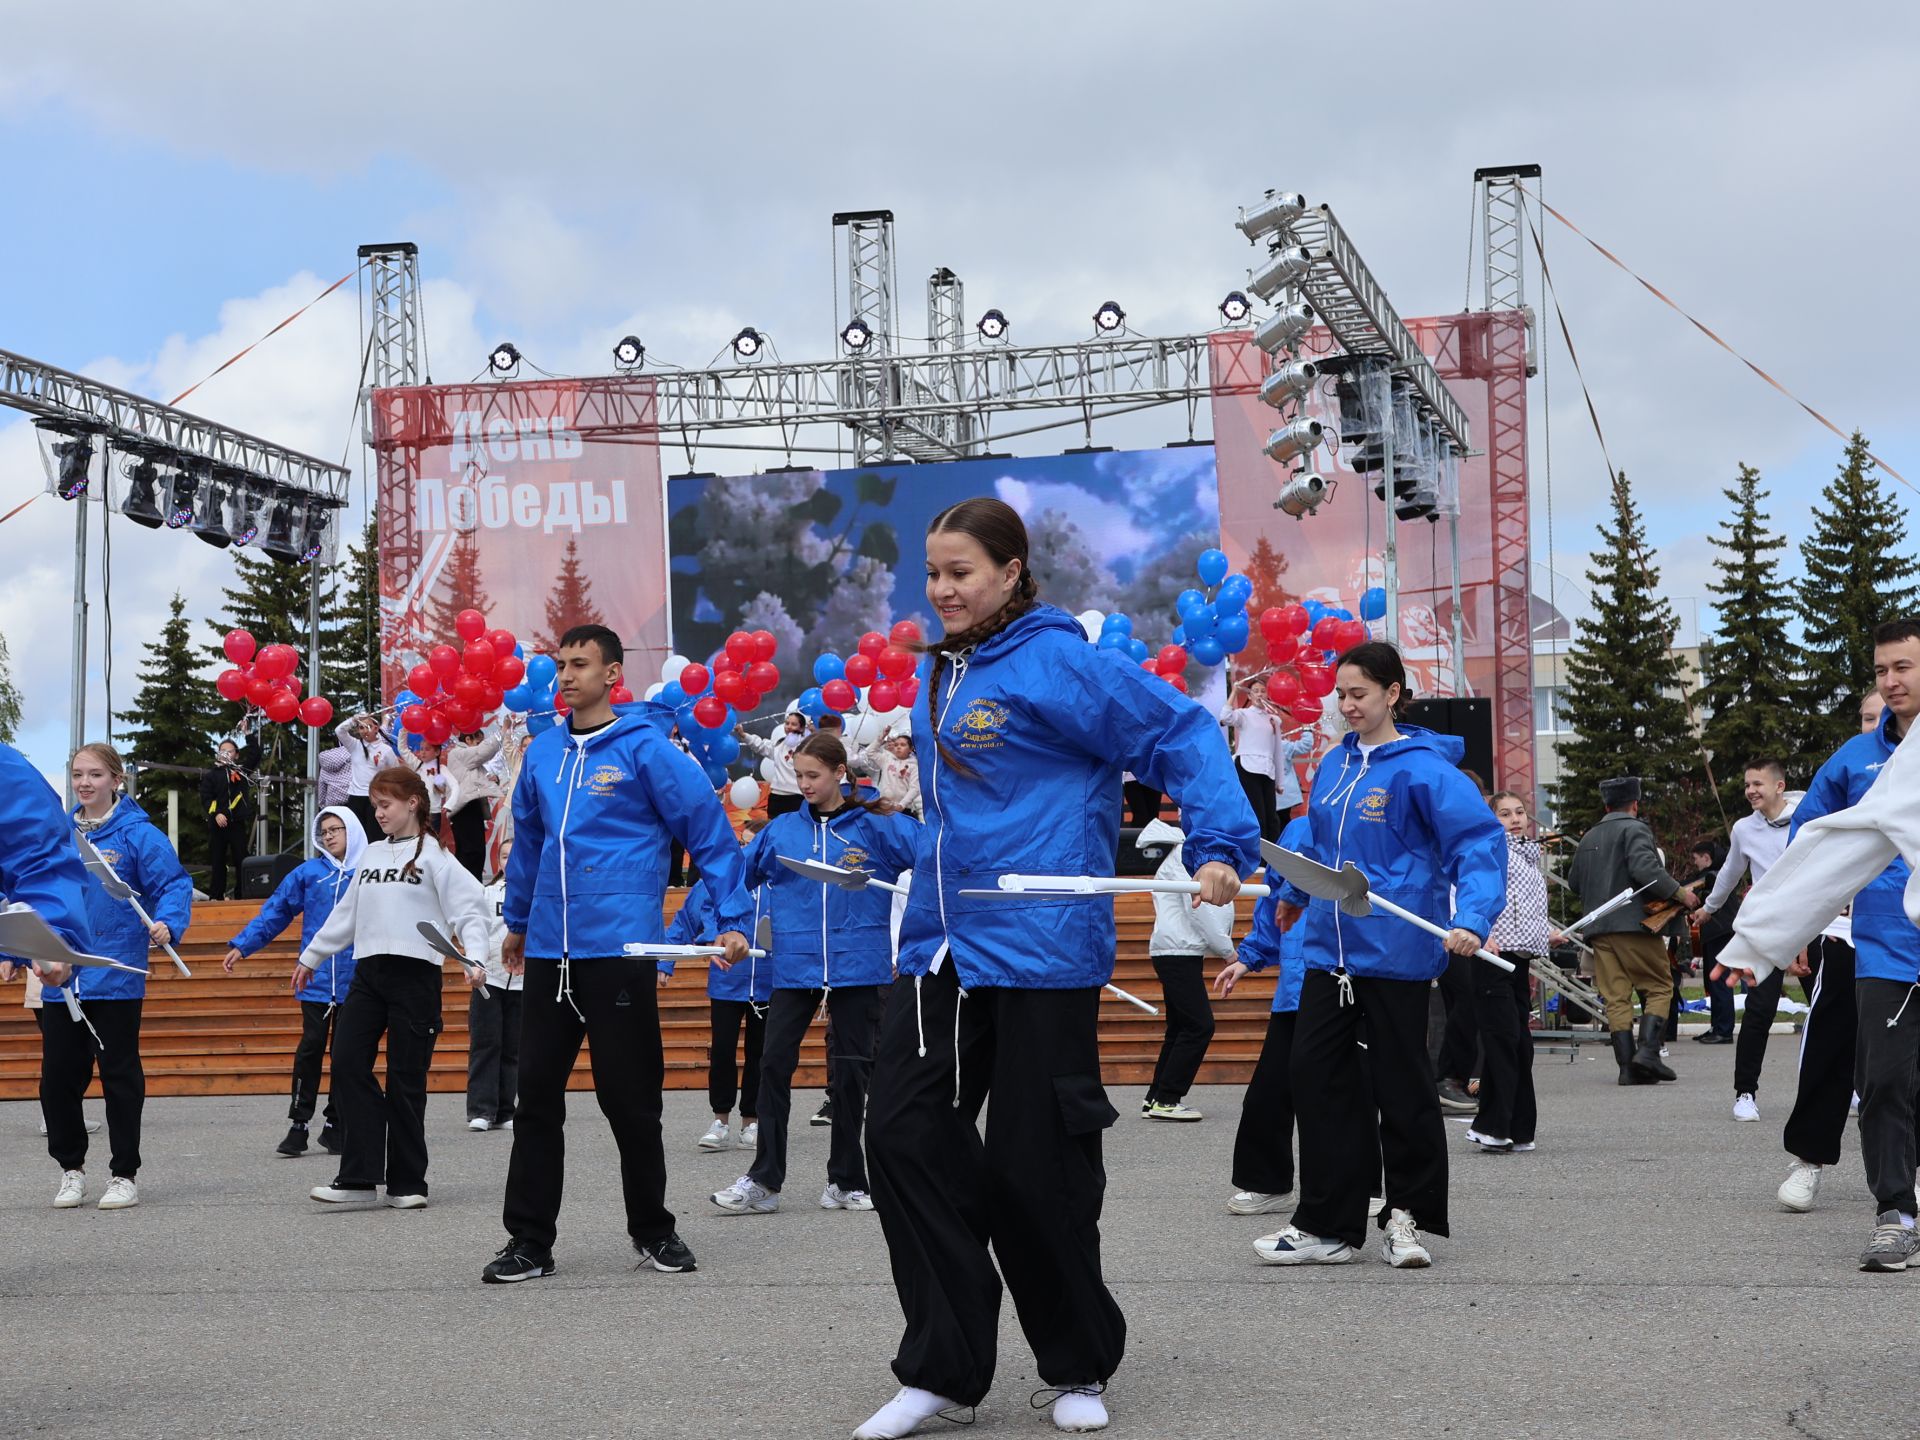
{"x": 1264, "y": 755}
{"x": 783, "y": 791}
{"x": 367, "y": 755}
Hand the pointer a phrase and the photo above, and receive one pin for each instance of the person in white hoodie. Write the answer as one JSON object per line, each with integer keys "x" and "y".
{"x": 367, "y": 755}
{"x": 493, "y": 1022}
{"x": 1185, "y": 937}
{"x": 402, "y": 880}
{"x": 783, "y": 791}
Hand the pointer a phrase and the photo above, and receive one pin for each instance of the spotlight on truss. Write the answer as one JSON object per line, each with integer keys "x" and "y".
{"x": 1235, "y": 307}
{"x": 1294, "y": 439}
{"x": 1283, "y": 268}
{"x": 1274, "y": 213}
{"x": 1289, "y": 384}
{"x": 748, "y": 342}
{"x": 1302, "y": 494}
{"x": 183, "y": 498}
{"x": 314, "y": 535}
{"x": 142, "y": 503}
{"x": 75, "y": 457}
{"x": 1109, "y": 318}
{"x": 280, "y": 543}
{"x": 210, "y": 522}
{"x": 505, "y": 359}
{"x": 247, "y": 505}
{"x": 629, "y": 353}
{"x": 857, "y": 335}
{"x": 1282, "y": 329}
{"x": 992, "y": 326}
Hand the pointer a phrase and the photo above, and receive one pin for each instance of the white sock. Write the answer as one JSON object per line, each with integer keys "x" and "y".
{"x": 1906, "y": 1219}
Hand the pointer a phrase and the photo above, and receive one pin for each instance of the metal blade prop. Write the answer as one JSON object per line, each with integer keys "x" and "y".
{"x": 440, "y": 941}
{"x": 1060, "y": 887}
{"x": 648, "y": 950}
{"x": 111, "y": 882}
{"x": 838, "y": 875}
{"x": 1625, "y": 897}
{"x": 1348, "y": 888}
{"x": 24, "y": 932}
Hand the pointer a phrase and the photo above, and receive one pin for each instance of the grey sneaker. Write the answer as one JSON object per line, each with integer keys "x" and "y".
{"x": 747, "y": 1197}
{"x": 1893, "y": 1245}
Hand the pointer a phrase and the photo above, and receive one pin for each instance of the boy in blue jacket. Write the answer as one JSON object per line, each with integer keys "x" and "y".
{"x": 599, "y": 803}
{"x": 737, "y": 998}
{"x": 311, "y": 891}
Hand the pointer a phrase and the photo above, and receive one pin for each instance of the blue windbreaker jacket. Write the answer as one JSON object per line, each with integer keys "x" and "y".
{"x": 750, "y": 979}
{"x": 1414, "y": 824}
{"x": 1048, "y": 723}
{"x": 825, "y": 937}
{"x": 592, "y": 826}
{"x": 1885, "y": 942}
{"x": 311, "y": 890}
{"x": 1265, "y": 945}
{"x": 141, "y": 856}
{"x": 39, "y": 865}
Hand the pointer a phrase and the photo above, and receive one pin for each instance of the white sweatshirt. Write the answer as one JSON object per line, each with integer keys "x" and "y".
{"x": 778, "y": 749}
{"x": 1179, "y": 926}
{"x": 497, "y": 976}
{"x": 366, "y": 761}
{"x": 1755, "y": 843}
{"x": 381, "y": 912}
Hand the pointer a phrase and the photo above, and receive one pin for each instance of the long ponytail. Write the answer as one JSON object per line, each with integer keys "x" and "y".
{"x": 1000, "y": 531}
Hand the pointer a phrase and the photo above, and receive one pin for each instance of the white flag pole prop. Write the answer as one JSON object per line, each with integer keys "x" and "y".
{"x": 1042, "y": 887}
{"x": 647, "y": 950}
{"x": 1625, "y": 897}
{"x": 111, "y": 882}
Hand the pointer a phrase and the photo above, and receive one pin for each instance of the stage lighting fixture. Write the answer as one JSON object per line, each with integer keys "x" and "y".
{"x": 313, "y": 536}
{"x": 141, "y": 506}
{"x": 1275, "y": 212}
{"x": 1290, "y": 384}
{"x": 210, "y": 524}
{"x": 1109, "y": 318}
{"x": 1302, "y": 494}
{"x": 1283, "y": 329}
{"x": 748, "y": 342}
{"x": 76, "y": 463}
{"x": 1283, "y": 267}
{"x": 992, "y": 326}
{"x": 1235, "y": 308}
{"x": 857, "y": 335}
{"x": 184, "y": 496}
{"x": 505, "y": 359}
{"x": 247, "y": 505}
{"x": 1291, "y": 441}
{"x": 629, "y": 353}
{"x": 280, "y": 542}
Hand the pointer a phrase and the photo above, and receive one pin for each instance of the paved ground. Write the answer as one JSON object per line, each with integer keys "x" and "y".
{"x": 1631, "y": 1278}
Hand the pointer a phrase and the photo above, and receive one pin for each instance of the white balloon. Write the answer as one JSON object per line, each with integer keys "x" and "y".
{"x": 766, "y": 770}
{"x": 1091, "y": 621}
{"x": 745, "y": 793}
{"x": 654, "y": 690}
{"x": 862, "y": 728}
{"x": 671, "y": 670}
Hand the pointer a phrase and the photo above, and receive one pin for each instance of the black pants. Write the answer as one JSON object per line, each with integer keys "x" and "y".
{"x": 1719, "y": 992}
{"x": 1032, "y": 1189}
{"x": 778, "y": 804}
{"x": 1502, "y": 1004}
{"x": 1750, "y": 1050}
{"x": 1263, "y": 1145}
{"x": 493, "y": 1054}
{"x": 362, "y": 806}
{"x": 1333, "y": 1103}
{"x": 68, "y": 1054}
{"x": 618, "y": 997}
{"x": 224, "y": 843}
{"x": 470, "y": 837}
{"x": 1825, "y": 1094}
{"x": 855, "y": 1013}
{"x": 1886, "y": 1069}
{"x": 1260, "y": 790}
{"x": 724, "y": 1080}
{"x": 1183, "y": 986}
{"x": 1143, "y": 803}
{"x": 1459, "y": 1057}
{"x": 319, "y": 1021}
{"x": 386, "y": 1131}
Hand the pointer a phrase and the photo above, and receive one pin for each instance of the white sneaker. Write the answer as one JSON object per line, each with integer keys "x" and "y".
{"x": 1172, "y": 1110}
{"x": 479, "y": 1122}
{"x": 1080, "y": 1410}
{"x": 750, "y": 1135}
{"x": 1400, "y": 1243}
{"x": 1259, "y": 1202}
{"x": 748, "y": 1197}
{"x": 122, "y": 1194}
{"x": 1293, "y": 1246}
{"x": 406, "y": 1202}
{"x": 1744, "y": 1108}
{"x": 903, "y": 1414}
{"x": 93, "y": 1127}
{"x": 73, "y": 1189}
{"x": 834, "y": 1198}
{"x": 334, "y": 1195}
{"x": 506, "y": 1124}
{"x": 1521, "y": 1147}
{"x": 1796, "y": 1192}
{"x": 718, "y": 1137}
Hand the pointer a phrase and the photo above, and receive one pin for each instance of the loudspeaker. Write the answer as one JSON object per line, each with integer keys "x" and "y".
{"x": 1130, "y": 859}
{"x": 260, "y": 873}
{"x": 1472, "y": 721}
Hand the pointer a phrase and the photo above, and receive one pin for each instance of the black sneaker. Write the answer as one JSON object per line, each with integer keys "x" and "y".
{"x": 295, "y": 1143}
{"x": 1454, "y": 1096}
{"x": 670, "y": 1255}
{"x": 518, "y": 1260}
{"x": 330, "y": 1138}
{"x": 824, "y": 1115}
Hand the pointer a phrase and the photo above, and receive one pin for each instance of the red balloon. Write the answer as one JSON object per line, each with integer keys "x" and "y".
{"x": 1273, "y": 621}
{"x": 439, "y": 729}
{"x": 1297, "y": 618}
{"x": 1306, "y": 710}
{"x": 740, "y": 645}
{"x": 905, "y": 634}
{"x": 765, "y": 645}
{"x": 1283, "y": 688}
{"x": 290, "y": 684}
{"x": 1151, "y": 665}
{"x": 492, "y": 696}
{"x": 478, "y": 659}
{"x": 275, "y": 661}
{"x": 444, "y": 661}
{"x": 871, "y": 644}
{"x": 469, "y": 690}
{"x": 316, "y": 710}
{"x": 232, "y": 685}
{"x": 1172, "y": 660}
{"x": 282, "y": 708}
{"x": 838, "y": 695}
{"x": 1179, "y": 682}
{"x": 1282, "y": 648}
{"x": 861, "y": 671}
{"x": 909, "y": 689}
{"x": 1356, "y": 632}
{"x": 259, "y": 691}
{"x": 461, "y": 719}
{"x": 695, "y": 679}
{"x": 724, "y": 663}
{"x": 1316, "y": 680}
{"x": 621, "y": 695}
{"x": 884, "y": 696}
{"x": 763, "y": 675}
{"x": 560, "y": 706}
{"x": 414, "y": 719}
{"x": 1326, "y": 633}
{"x": 502, "y": 641}
{"x": 469, "y": 625}
{"x": 422, "y": 681}
{"x": 710, "y": 712}
{"x": 730, "y": 689}
{"x": 509, "y": 672}
{"x": 895, "y": 663}
{"x": 237, "y": 647}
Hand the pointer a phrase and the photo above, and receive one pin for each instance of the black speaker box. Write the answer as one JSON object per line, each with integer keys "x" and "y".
{"x": 260, "y": 873}
{"x": 1472, "y": 721}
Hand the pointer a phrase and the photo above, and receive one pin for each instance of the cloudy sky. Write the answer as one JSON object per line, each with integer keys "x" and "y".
{"x": 183, "y": 176}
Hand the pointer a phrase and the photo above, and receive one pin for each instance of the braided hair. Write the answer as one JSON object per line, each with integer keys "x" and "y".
{"x": 401, "y": 783}
{"x": 1000, "y": 531}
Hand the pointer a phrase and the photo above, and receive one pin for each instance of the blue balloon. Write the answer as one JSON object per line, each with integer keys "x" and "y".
{"x": 683, "y": 716}
{"x": 1233, "y": 632}
{"x": 829, "y": 667}
{"x": 1123, "y": 624}
{"x": 519, "y": 651}
{"x": 519, "y": 699}
{"x": 673, "y": 697}
{"x": 1138, "y": 649}
{"x": 1201, "y": 623}
{"x": 716, "y": 774}
{"x": 541, "y": 721}
{"x": 1238, "y": 585}
{"x": 1112, "y": 640}
{"x": 1188, "y": 601}
{"x": 405, "y": 698}
{"x": 725, "y": 749}
{"x": 1207, "y": 652}
{"x": 1179, "y": 635}
{"x": 1373, "y": 604}
{"x": 1212, "y": 567}
{"x": 1342, "y": 613}
{"x": 810, "y": 704}
{"x": 541, "y": 671}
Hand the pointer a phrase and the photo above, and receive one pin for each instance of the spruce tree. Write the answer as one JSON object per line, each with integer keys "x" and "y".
{"x": 570, "y": 602}
{"x": 1622, "y": 700}
{"x": 269, "y": 601}
{"x": 461, "y": 586}
{"x": 1751, "y": 671}
{"x": 350, "y": 628}
{"x": 1859, "y": 572}
{"x": 9, "y": 696}
{"x": 168, "y": 726}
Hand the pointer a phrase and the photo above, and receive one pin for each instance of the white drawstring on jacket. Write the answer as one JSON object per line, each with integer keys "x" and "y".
{"x": 1903, "y": 1006}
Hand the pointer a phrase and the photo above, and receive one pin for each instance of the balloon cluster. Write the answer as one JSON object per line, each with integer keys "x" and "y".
{"x": 880, "y": 672}
{"x": 1303, "y": 642}
{"x": 708, "y": 699}
{"x": 269, "y": 681}
{"x": 455, "y": 691}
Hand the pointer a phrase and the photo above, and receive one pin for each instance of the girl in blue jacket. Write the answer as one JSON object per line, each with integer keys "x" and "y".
{"x": 310, "y": 891}
{"x": 1394, "y": 801}
{"x": 108, "y": 1030}
{"x": 1029, "y": 731}
{"x": 831, "y": 944}
{"x": 737, "y": 999}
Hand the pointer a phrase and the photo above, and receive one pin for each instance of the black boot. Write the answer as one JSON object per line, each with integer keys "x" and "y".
{"x": 1623, "y": 1052}
{"x": 1647, "y": 1059}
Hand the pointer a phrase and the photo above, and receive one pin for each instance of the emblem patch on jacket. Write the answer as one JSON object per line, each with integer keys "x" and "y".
{"x": 604, "y": 778}
{"x": 852, "y": 858}
{"x": 1373, "y": 804}
{"x": 980, "y": 727}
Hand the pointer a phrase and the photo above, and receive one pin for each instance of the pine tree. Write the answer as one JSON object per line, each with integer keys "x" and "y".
{"x": 1752, "y": 669}
{"x": 461, "y": 586}
{"x": 269, "y": 602}
{"x": 350, "y": 628}
{"x": 9, "y": 696}
{"x": 1623, "y": 693}
{"x": 168, "y": 725}
{"x": 571, "y": 601}
{"x": 1859, "y": 572}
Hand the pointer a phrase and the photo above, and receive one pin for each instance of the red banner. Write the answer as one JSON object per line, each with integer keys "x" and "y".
{"x": 537, "y": 503}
